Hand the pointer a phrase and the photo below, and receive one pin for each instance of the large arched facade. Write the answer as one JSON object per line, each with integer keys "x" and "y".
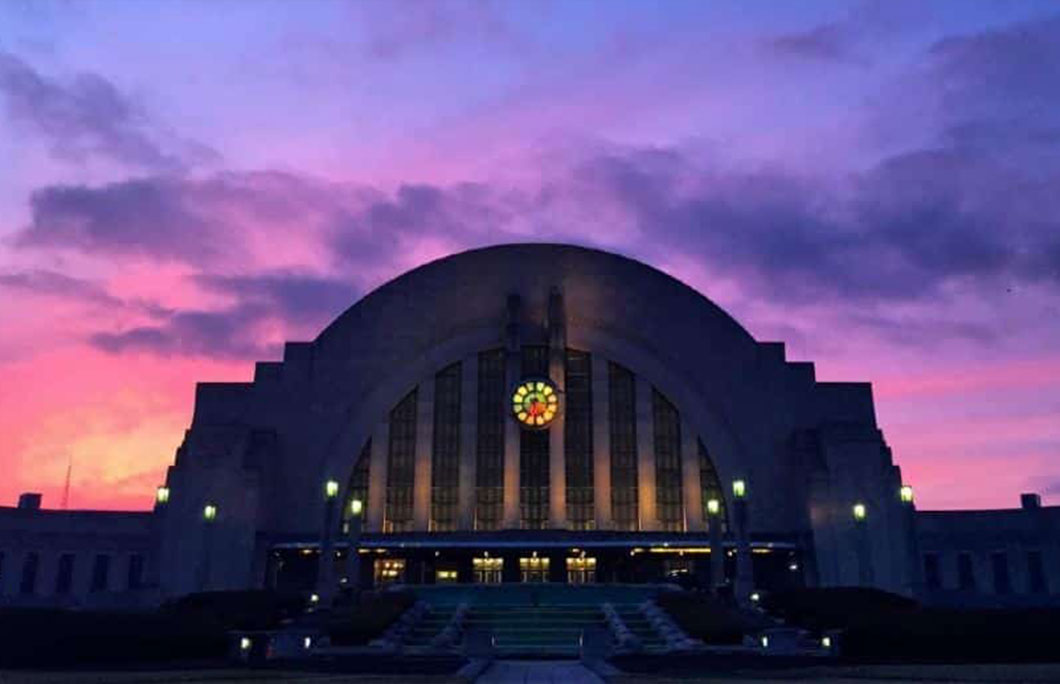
{"x": 663, "y": 402}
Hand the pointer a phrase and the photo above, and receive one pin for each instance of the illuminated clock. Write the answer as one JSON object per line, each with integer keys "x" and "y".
{"x": 535, "y": 402}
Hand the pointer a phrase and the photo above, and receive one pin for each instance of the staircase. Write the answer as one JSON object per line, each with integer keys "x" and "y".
{"x": 528, "y": 631}
{"x": 638, "y": 624}
{"x": 428, "y": 627}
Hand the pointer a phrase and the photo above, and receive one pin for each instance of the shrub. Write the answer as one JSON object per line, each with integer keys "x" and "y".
{"x": 245, "y": 610}
{"x": 709, "y": 619}
{"x": 55, "y": 637}
{"x": 360, "y": 619}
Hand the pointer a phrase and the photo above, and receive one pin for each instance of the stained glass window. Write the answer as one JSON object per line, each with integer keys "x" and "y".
{"x": 445, "y": 457}
{"x": 623, "y": 421}
{"x": 489, "y": 449}
{"x": 668, "y": 481}
{"x": 710, "y": 487}
{"x": 401, "y": 466}
{"x": 578, "y": 440}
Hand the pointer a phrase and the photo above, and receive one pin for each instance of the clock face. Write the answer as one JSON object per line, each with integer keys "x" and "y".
{"x": 535, "y": 403}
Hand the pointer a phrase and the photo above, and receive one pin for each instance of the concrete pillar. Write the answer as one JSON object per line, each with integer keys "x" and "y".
{"x": 645, "y": 455}
{"x": 744, "y": 584}
{"x": 717, "y": 553}
{"x": 326, "y": 562}
{"x": 693, "y": 492}
{"x": 421, "y": 483}
{"x": 512, "y": 439}
{"x": 601, "y": 442}
{"x": 353, "y": 557}
{"x": 377, "y": 476}
{"x": 863, "y": 550}
{"x": 468, "y": 441}
{"x": 557, "y": 455}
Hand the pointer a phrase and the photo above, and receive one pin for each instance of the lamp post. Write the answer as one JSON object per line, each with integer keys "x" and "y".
{"x": 353, "y": 557}
{"x": 209, "y": 520}
{"x": 861, "y": 544}
{"x": 905, "y": 496}
{"x": 717, "y": 549}
{"x": 744, "y": 573}
{"x": 326, "y": 572}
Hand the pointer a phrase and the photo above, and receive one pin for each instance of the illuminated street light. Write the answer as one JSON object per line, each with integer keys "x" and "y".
{"x": 162, "y": 495}
{"x": 209, "y": 512}
{"x": 739, "y": 489}
{"x": 859, "y": 512}
{"x": 331, "y": 489}
{"x": 906, "y": 494}
{"x": 713, "y": 506}
{"x": 356, "y": 507}
{"x": 244, "y": 644}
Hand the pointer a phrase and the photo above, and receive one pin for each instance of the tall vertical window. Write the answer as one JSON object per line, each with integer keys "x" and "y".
{"x": 135, "y": 578}
{"x": 360, "y": 478}
{"x": 445, "y": 454}
{"x": 932, "y": 576}
{"x": 534, "y": 453}
{"x": 578, "y": 440}
{"x": 64, "y": 576}
{"x": 30, "y": 565}
{"x": 1002, "y": 581}
{"x": 401, "y": 466}
{"x": 710, "y": 487}
{"x": 965, "y": 572}
{"x": 622, "y": 411}
{"x": 100, "y": 573}
{"x": 668, "y": 481}
{"x": 1035, "y": 573}
{"x": 489, "y": 446}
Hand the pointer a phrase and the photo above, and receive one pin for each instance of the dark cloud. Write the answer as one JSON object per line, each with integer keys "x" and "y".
{"x": 299, "y": 299}
{"x": 61, "y": 286}
{"x": 170, "y": 218}
{"x": 214, "y": 334}
{"x": 142, "y": 217}
{"x": 831, "y": 42}
{"x": 301, "y": 304}
{"x": 90, "y": 116}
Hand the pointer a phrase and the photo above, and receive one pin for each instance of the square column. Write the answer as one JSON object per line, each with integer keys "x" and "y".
{"x": 512, "y": 370}
{"x": 649, "y": 520}
{"x": 692, "y": 493}
{"x": 601, "y": 442}
{"x": 557, "y": 456}
{"x": 421, "y": 483}
{"x": 468, "y": 441}
{"x": 377, "y": 476}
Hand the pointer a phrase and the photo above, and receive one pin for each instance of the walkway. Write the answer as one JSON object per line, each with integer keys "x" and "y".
{"x": 538, "y": 672}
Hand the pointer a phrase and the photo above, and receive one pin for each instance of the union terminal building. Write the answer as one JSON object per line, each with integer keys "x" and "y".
{"x": 532, "y": 413}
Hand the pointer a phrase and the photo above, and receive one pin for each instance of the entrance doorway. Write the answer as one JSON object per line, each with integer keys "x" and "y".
{"x": 533, "y": 569}
{"x": 389, "y": 571}
{"x": 487, "y": 570}
{"x": 581, "y": 570}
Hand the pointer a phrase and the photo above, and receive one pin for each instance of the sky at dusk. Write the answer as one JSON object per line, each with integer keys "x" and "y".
{"x": 185, "y": 185}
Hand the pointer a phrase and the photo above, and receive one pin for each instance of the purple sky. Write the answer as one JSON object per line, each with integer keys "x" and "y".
{"x": 184, "y": 185}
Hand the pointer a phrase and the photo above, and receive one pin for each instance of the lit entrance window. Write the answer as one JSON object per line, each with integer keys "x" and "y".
{"x": 533, "y": 569}
{"x": 445, "y": 576}
{"x": 676, "y": 567}
{"x": 389, "y": 570}
{"x": 581, "y": 570}
{"x": 487, "y": 570}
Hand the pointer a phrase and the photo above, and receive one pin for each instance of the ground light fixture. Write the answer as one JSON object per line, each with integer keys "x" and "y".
{"x": 755, "y": 597}
{"x": 209, "y": 512}
{"x": 331, "y": 489}
{"x": 826, "y": 642}
{"x": 739, "y": 488}
{"x": 906, "y": 494}
{"x": 245, "y": 644}
{"x": 162, "y": 495}
{"x": 860, "y": 512}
